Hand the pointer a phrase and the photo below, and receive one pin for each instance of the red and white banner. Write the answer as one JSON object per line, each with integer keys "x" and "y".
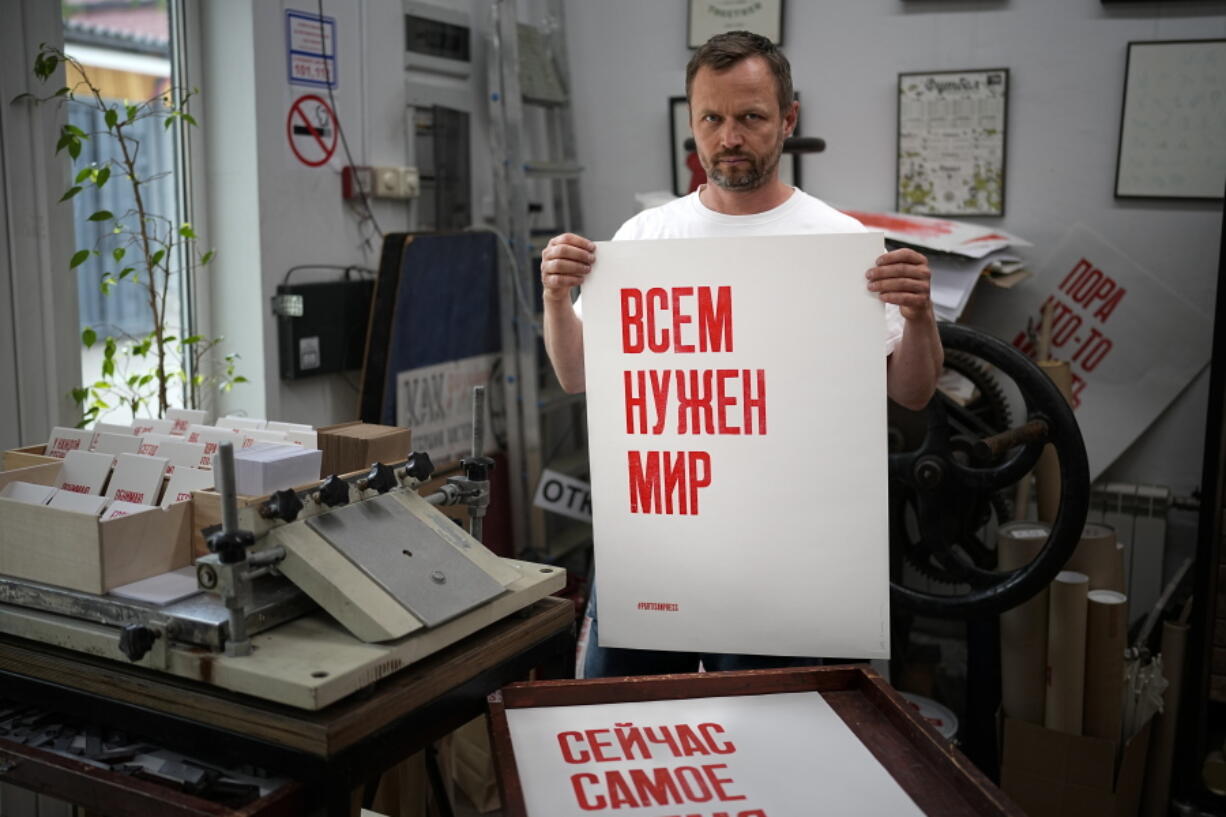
{"x": 736, "y": 411}
{"x": 738, "y": 756}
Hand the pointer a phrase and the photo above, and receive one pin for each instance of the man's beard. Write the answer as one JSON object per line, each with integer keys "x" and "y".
{"x": 751, "y": 176}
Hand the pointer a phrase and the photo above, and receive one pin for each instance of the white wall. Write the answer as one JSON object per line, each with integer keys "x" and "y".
{"x": 1066, "y": 60}
{"x": 267, "y": 211}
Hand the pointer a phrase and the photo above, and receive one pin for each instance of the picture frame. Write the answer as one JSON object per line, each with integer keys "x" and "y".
{"x": 1174, "y": 107}
{"x": 687, "y": 172}
{"x": 707, "y": 18}
{"x": 951, "y": 154}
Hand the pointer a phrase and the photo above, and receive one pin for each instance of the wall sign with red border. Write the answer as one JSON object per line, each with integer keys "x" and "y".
{"x": 311, "y": 130}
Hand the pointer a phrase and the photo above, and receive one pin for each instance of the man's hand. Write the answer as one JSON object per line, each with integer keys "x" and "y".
{"x": 565, "y": 262}
{"x": 902, "y": 278}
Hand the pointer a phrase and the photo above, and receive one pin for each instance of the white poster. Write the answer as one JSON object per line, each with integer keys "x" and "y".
{"x": 1132, "y": 342}
{"x": 436, "y": 402}
{"x": 737, "y": 431}
{"x": 741, "y": 756}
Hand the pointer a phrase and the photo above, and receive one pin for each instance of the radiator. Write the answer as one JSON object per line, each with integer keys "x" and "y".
{"x": 1138, "y": 514}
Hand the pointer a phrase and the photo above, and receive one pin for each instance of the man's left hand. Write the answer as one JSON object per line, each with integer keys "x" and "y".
{"x": 902, "y": 277}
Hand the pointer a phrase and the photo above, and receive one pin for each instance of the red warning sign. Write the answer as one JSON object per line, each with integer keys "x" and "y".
{"x": 311, "y": 130}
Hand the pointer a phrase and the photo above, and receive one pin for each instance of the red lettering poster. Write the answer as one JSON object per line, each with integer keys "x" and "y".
{"x": 736, "y": 756}
{"x": 1132, "y": 342}
{"x": 737, "y": 431}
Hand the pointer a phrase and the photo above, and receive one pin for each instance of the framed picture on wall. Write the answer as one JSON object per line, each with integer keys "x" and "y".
{"x": 687, "y": 170}
{"x": 1173, "y": 118}
{"x": 951, "y": 142}
{"x": 711, "y": 17}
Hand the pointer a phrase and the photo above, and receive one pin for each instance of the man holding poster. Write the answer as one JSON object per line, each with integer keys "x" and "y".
{"x": 741, "y": 110}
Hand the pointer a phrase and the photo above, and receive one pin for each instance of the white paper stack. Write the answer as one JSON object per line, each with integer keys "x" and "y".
{"x": 267, "y": 467}
{"x": 64, "y": 440}
{"x": 183, "y": 481}
{"x": 959, "y": 253}
{"x": 28, "y": 492}
{"x": 85, "y": 472}
{"x": 144, "y": 425}
{"x": 136, "y": 479}
{"x": 166, "y": 588}
{"x": 296, "y": 433}
{"x": 77, "y": 503}
{"x": 251, "y": 436}
{"x": 183, "y": 418}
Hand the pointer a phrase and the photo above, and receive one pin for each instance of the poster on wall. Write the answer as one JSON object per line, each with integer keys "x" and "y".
{"x": 705, "y": 421}
{"x": 710, "y": 17}
{"x": 1132, "y": 342}
{"x": 951, "y": 142}
{"x": 746, "y": 755}
{"x": 1171, "y": 130}
{"x": 310, "y": 49}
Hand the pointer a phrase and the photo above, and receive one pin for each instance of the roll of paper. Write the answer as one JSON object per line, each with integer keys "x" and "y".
{"x": 1106, "y": 640}
{"x": 1099, "y": 556}
{"x": 1023, "y": 630}
{"x": 1157, "y": 797}
{"x": 1047, "y": 472}
{"x": 1066, "y": 652}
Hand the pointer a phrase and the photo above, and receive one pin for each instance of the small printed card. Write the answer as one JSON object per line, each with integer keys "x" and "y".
{"x": 137, "y": 479}
{"x": 182, "y": 418}
{"x": 64, "y": 440}
{"x": 85, "y": 472}
{"x": 28, "y": 492}
{"x": 144, "y": 425}
{"x": 183, "y": 481}
{"x": 78, "y": 503}
{"x": 120, "y": 508}
{"x": 211, "y": 437}
{"x": 177, "y": 450}
{"x": 241, "y": 423}
{"x": 116, "y": 444}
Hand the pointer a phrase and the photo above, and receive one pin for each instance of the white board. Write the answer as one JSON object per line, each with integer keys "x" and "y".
{"x": 771, "y": 536}
{"x": 748, "y": 755}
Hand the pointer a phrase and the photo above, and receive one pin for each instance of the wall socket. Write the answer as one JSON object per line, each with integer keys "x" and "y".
{"x": 382, "y": 182}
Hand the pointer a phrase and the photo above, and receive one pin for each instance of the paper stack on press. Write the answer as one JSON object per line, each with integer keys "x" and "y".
{"x": 959, "y": 254}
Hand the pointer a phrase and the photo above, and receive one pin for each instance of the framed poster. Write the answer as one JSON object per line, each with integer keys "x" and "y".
{"x": 1173, "y": 118}
{"x": 711, "y": 17}
{"x": 951, "y": 142}
{"x": 687, "y": 170}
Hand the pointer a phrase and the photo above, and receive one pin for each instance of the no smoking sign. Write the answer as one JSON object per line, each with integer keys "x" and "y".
{"x": 311, "y": 130}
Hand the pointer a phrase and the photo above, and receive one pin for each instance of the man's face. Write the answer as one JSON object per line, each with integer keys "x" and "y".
{"x": 738, "y": 127}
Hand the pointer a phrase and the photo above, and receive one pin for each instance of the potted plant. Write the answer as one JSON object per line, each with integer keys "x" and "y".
{"x": 141, "y": 248}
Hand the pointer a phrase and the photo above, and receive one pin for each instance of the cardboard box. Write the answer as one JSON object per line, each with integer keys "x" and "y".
{"x": 1054, "y": 774}
{"x": 356, "y": 446}
{"x": 25, "y": 457}
{"x": 80, "y": 552}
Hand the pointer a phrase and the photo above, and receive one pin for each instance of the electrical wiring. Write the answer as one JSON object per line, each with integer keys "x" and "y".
{"x": 525, "y": 305}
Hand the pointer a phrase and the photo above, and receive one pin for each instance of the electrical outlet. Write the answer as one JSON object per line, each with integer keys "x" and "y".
{"x": 396, "y": 182}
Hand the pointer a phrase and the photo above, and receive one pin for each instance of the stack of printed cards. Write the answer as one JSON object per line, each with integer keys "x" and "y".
{"x": 115, "y": 444}
{"x": 183, "y": 481}
{"x": 267, "y": 467}
{"x": 84, "y": 472}
{"x": 177, "y": 450}
{"x": 137, "y": 479}
{"x": 212, "y": 437}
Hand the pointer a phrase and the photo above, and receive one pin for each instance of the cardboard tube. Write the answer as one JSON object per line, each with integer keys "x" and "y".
{"x": 1044, "y": 350}
{"x": 1099, "y": 556}
{"x": 1047, "y": 472}
{"x": 1066, "y": 652}
{"x": 1023, "y": 630}
{"x": 1157, "y": 798}
{"x": 1106, "y": 640}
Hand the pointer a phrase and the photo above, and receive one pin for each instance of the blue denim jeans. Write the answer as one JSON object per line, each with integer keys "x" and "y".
{"x": 612, "y": 662}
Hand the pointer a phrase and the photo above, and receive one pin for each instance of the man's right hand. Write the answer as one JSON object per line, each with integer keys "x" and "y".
{"x": 565, "y": 263}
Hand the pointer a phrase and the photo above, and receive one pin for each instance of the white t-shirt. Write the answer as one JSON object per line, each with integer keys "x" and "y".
{"x": 801, "y": 214}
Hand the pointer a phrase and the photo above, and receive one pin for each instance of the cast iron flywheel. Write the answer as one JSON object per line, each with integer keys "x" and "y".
{"x": 951, "y": 476}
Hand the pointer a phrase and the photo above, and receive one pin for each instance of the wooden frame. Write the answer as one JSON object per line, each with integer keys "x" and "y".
{"x": 684, "y": 162}
{"x": 929, "y": 769}
{"x": 1174, "y": 107}
{"x": 706, "y": 18}
{"x": 975, "y": 112}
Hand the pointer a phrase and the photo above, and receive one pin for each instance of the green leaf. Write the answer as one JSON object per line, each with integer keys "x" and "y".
{"x": 106, "y": 284}
{"x": 70, "y": 192}
{"x": 74, "y": 148}
{"x": 118, "y": 253}
{"x": 108, "y": 367}
{"x": 65, "y": 141}
{"x": 102, "y": 215}
{"x": 167, "y": 122}
{"x": 198, "y": 379}
{"x": 132, "y": 111}
{"x": 102, "y": 384}
{"x": 146, "y": 380}
{"x": 79, "y": 395}
{"x": 78, "y": 258}
{"x": 23, "y": 97}
{"x": 189, "y": 119}
{"x": 208, "y": 256}
{"x": 112, "y": 118}
{"x": 186, "y": 231}
{"x": 132, "y": 381}
{"x": 89, "y": 337}
{"x": 193, "y": 339}
{"x": 156, "y": 258}
{"x": 103, "y": 174}
{"x": 63, "y": 91}
{"x": 77, "y": 132}
{"x": 125, "y": 272}
{"x": 85, "y": 173}
{"x": 240, "y": 379}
